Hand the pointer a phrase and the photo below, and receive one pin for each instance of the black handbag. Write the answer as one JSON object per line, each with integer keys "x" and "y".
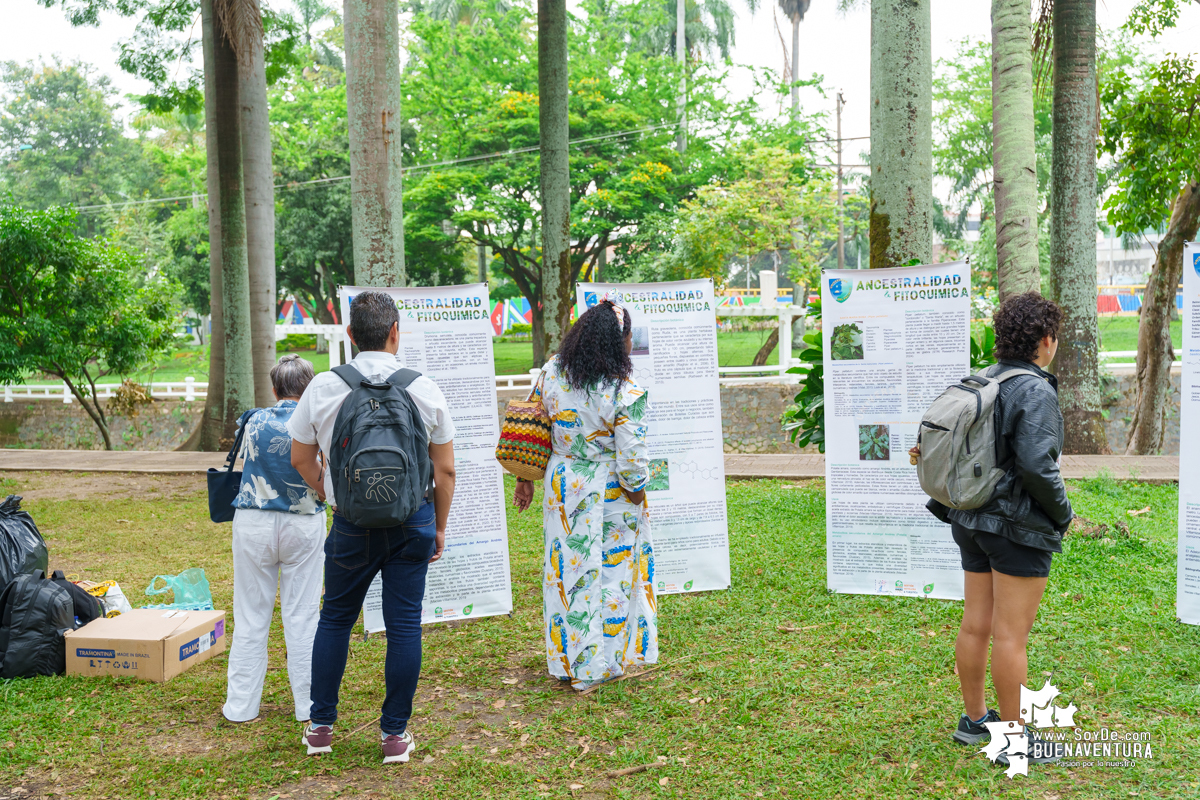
{"x": 224, "y": 485}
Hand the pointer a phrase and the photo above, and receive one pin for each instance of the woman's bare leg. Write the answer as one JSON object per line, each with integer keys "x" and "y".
{"x": 1016, "y": 605}
{"x": 971, "y": 646}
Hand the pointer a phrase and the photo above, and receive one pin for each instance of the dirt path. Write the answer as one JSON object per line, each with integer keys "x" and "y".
{"x": 33, "y": 486}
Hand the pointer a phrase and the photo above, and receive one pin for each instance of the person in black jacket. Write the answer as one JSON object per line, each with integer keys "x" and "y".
{"x": 1007, "y": 543}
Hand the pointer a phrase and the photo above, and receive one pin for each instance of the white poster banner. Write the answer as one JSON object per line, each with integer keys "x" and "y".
{"x": 446, "y": 335}
{"x": 1187, "y": 592}
{"x": 894, "y": 340}
{"x": 675, "y": 359}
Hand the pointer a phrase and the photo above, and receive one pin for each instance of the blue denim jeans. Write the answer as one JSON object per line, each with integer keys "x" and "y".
{"x": 353, "y": 556}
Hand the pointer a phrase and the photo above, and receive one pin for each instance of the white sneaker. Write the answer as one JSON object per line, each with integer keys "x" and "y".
{"x": 317, "y": 739}
{"x": 398, "y": 747}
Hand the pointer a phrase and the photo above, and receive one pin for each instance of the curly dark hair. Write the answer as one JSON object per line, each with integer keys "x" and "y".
{"x": 1023, "y": 321}
{"x": 593, "y": 351}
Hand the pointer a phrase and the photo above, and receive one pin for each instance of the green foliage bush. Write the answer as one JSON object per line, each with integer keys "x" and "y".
{"x": 297, "y": 341}
{"x": 806, "y": 417}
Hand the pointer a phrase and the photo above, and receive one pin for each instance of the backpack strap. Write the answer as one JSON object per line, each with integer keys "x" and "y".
{"x": 1015, "y": 373}
{"x": 403, "y": 378}
{"x": 349, "y": 374}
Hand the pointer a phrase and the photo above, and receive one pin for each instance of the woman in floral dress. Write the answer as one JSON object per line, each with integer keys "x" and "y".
{"x": 598, "y": 576}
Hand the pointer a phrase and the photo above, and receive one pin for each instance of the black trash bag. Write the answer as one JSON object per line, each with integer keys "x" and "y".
{"x": 22, "y": 548}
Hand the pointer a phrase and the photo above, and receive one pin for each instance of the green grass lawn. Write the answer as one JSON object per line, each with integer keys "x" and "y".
{"x": 774, "y": 688}
{"x": 1120, "y": 333}
{"x": 512, "y": 358}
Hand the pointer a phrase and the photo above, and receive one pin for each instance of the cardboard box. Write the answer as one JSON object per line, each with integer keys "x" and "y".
{"x": 150, "y": 644}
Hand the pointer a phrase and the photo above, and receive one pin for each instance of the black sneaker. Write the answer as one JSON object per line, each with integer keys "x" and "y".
{"x": 971, "y": 732}
{"x": 1040, "y": 750}
{"x": 1042, "y": 753}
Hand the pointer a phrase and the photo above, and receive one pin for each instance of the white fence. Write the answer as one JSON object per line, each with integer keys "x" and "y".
{"x": 190, "y": 389}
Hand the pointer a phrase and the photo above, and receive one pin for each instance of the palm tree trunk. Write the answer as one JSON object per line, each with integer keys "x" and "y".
{"x": 557, "y": 291}
{"x": 795, "y": 64}
{"x": 1155, "y": 352}
{"x": 235, "y": 278}
{"x": 1014, "y": 153}
{"x": 373, "y": 115}
{"x": 901, "y": 133}
{"x": 260, "y": 219}
{"x": 1073, "y": 225}
{"x": 681, "y": 57}
{"x": 212, "y": 422}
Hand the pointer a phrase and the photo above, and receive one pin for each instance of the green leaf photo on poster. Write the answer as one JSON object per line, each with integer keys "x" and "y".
{"x": 874, "y": 443}
{"x": 846, "y": 343}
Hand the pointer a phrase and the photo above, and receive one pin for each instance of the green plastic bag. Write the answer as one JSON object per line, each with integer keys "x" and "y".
{"x": 189, "y": 588}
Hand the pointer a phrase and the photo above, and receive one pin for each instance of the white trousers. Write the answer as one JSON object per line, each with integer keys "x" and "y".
{"x": 270, "y": 548}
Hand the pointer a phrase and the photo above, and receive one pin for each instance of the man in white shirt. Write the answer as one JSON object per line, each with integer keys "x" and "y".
{"x": 354, "y": 555}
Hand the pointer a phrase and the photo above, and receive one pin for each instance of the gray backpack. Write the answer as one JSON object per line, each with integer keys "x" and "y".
{"x": 957, "y": 466}
{"x": 379, "y": 458}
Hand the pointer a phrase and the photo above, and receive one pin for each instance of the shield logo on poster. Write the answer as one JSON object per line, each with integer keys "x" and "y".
{"x": 840, "y": 289}
{"x": 1196, "y": 262}
{"x": 590, "y": 299}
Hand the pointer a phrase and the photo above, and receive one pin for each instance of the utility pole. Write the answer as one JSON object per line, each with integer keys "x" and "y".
{"x": 481, "y": 252}
{"x": 841, "y": 200}
{"x": 681, "y": 57}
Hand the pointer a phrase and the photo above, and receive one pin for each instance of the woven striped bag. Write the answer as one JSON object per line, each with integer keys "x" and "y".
{"x": 525, "y": 446}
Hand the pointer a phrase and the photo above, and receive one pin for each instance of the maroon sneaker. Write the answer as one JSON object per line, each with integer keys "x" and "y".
{"x": 317, "y": 738}
{"x": 398, "y": 747}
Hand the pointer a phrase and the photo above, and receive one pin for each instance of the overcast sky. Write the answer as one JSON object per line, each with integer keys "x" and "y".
{"x": 833, "y": 45}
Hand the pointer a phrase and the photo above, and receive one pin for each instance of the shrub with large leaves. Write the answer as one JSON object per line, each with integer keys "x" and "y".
{"x": 806, "y": 417}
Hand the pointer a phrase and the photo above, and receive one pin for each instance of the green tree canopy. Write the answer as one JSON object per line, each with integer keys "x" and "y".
{"x": 778, "y": 204}
{"x": 74, "y": 307}
{"x": 60, "y": 139}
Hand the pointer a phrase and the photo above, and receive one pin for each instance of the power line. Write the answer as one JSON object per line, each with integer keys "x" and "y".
{"x": 403, "y": 171}
{"x": 431, "y": 165}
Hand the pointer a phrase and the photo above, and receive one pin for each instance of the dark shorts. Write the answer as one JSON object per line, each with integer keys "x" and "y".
{"x": 989, "y": 552}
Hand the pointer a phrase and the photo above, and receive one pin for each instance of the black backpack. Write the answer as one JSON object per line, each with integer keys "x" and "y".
{"x": 34, "y": 614}
{"x": 379, "y": 457}
{"x": 87, "y": 607}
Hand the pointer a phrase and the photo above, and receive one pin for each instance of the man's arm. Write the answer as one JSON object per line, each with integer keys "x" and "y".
{"x": 442, "y": 456}
{"x": 305, "y": 460}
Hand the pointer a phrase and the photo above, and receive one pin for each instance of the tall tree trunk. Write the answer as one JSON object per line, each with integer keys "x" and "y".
{"x": 212, "y": 423}
{"x": 1073, "y": 225}
{"x": 235, "y": 277}
{"x": 681, "y": 57}
{"x": 1014, "y": 152}
{"x": 555, "y": 178}
{"x": 901, "y": 133}
{"x": 260, "y": 218}
{"x": 796, "y": 64}
{"x": 372, "y": 32}
{"x": 1155, "y": 352}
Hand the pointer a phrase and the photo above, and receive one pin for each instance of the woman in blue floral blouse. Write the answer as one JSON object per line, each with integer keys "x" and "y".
{"x": 278, "y": 539}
